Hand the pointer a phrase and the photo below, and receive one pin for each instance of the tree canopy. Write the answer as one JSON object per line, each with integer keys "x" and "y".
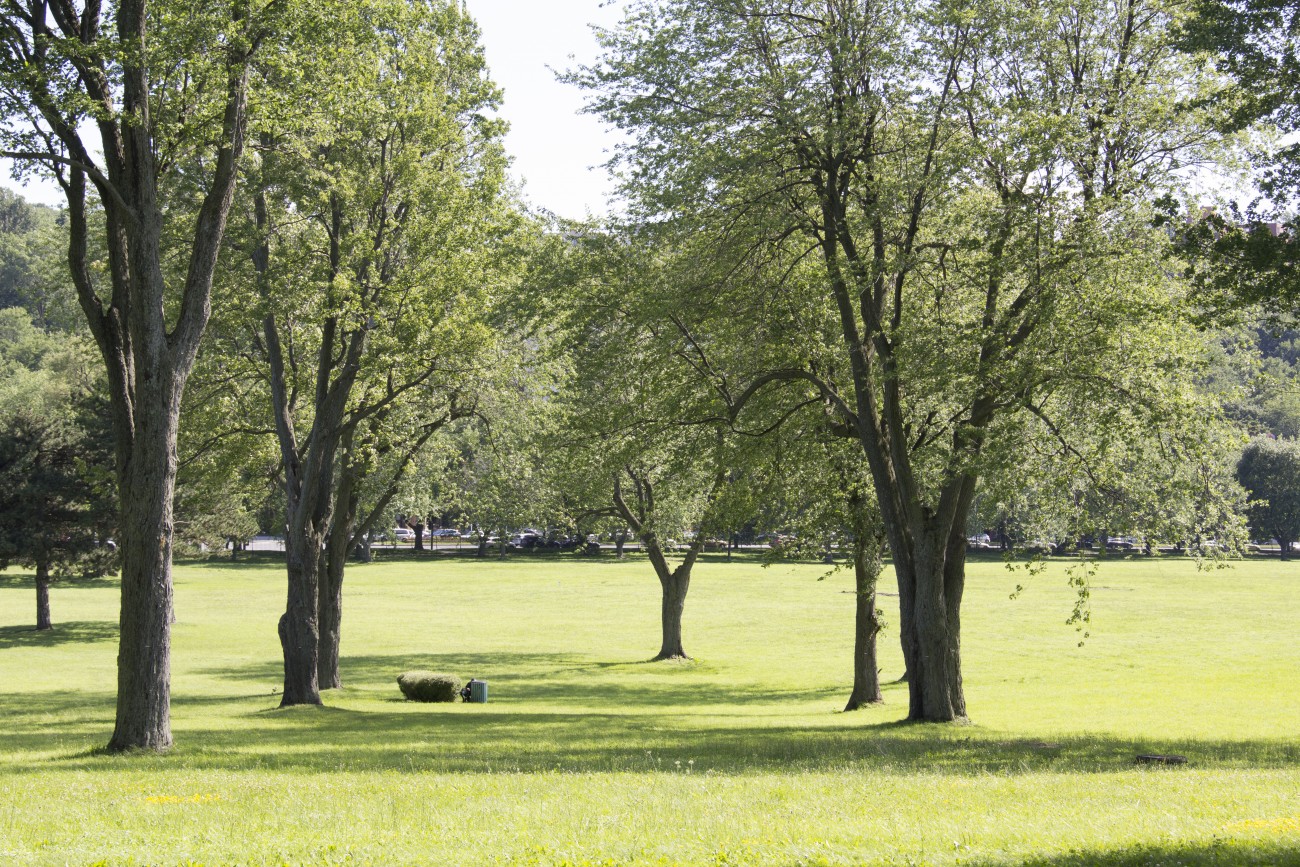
{"x": 972, "y": 196}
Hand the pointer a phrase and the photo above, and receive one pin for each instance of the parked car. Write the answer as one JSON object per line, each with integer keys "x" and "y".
{"x": 403, "y": 534}
{"x": 448, "y": 533}
{"x": 525, "y": 540}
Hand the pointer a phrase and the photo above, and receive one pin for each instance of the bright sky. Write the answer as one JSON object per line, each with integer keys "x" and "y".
{"x": 557, "y": 151}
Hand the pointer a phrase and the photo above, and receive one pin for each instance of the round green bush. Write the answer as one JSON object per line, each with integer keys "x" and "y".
{"x": 429, "y": 686}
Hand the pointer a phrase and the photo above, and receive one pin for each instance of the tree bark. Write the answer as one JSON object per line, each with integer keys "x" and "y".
{"x": 330, "y": 599}
{"x": 42, "y": 595}
{"x": 866, "y": 669}
{"x": 309, "y": 467}
{"x": 674, "y": 585}
{"x": 930, "y": 599}
{"x": 144, "y": 644}
{"x": 342, "y": 533}
{"x": 299, "y": 628}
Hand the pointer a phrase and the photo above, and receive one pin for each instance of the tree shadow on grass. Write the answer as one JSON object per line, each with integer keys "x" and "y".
{"x": 25, "y": 580}
{"x": 364, "y": 731}
{"x": 1221, "y": 852}
{"x": 468, "y": 739}
{"x": 255, "y": 562}
{"x": 562, "y": 679}
{"x": 71, "y": 632}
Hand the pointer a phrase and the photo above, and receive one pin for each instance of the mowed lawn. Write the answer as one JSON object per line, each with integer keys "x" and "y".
{"x": 587, "y": 754}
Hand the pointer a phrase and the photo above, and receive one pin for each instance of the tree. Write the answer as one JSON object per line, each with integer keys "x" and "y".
{"x": 56, "y": 493}
{"x": 1247, "y": 256}
{"x": 1270, "y": 470}
{"x": 33, "y": 268}
{"x": 972, "y": 187}
{"x": 371, "y": 232}
{"x": 824, "y": 497}
{"x": 646, "y": 431}
{"x": 1257, "y": 43}
{"x": 164, "y": 143}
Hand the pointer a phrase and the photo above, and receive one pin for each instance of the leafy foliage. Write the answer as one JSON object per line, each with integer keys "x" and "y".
{"x": 57, "y": 492}
{"x": 1270, "y": 470}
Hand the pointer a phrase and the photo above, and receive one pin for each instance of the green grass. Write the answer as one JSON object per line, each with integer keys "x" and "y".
{"x": 587, "y": 754}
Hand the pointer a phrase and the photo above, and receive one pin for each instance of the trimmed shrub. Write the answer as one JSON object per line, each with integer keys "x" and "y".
{"x": 429, "y": 686}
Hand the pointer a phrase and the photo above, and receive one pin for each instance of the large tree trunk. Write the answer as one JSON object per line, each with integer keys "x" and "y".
{"x": 929, "y": 590}
{"x": 936, "y": 679}
{"x": 144, "y": 642}
{"x": 42, "y": 595}
{"x": 309, "y": 469}
{"x": 674, "y": 586}
{"x": 866, "y": 670}
{"x": 300, "y": 625}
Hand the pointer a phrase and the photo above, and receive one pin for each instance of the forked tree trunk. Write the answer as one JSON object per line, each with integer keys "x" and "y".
{"x": 309, "y": 468}
{"x": 42, "y": 595}
{"x": 674, "y": 583}
{"x": 674, "y": 586}
{"x": 866, "y": 669}
{"x": 930, "y": 590}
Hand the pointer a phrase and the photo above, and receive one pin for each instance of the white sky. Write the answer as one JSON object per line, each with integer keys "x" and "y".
{"x": 557, "y": 151}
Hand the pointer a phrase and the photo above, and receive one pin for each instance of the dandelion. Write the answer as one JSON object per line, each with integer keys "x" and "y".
{"x": 1284, "y": 825}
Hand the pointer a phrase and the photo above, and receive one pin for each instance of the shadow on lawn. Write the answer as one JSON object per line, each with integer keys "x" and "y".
{"x": 18, "y": 579}
{"x": 563, "y": 679}
{"x": 71, "y": 632}
{"x": 1220, "y": 853}
{"x": 645, "y": 727}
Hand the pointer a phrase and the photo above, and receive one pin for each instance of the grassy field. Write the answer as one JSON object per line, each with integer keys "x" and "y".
{"x": 586, "y": 754}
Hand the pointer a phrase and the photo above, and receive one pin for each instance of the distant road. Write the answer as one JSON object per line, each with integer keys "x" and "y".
{"x": 265, "y": 543}
{"x": 275, "y": 543}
